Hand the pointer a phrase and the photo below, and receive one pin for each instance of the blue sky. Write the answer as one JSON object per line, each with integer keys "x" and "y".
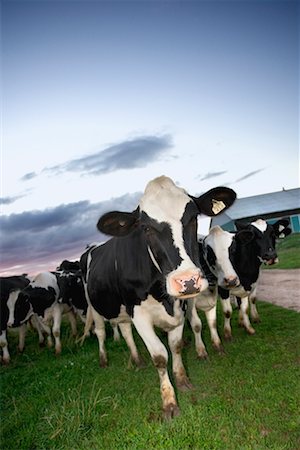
{"x": 100, "y": 97}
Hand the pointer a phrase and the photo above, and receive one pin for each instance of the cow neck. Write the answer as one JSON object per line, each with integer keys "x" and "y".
{"x": 246, "y": 263}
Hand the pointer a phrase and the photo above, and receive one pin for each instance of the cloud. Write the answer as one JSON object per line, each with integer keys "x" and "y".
{"x": 212, "y": 175}
{"x": 9, "y": 200}
{"x": 250, "y": 174}
{"x": 28, "y": 176}
{"x": 135, "y": 153}
{"x": 35, "y": 238}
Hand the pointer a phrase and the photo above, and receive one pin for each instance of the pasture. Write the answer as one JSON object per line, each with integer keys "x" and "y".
{"x": 248, "y": 399}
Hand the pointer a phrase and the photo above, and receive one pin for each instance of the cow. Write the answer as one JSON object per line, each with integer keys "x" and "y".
{"x": 225, "y": 276}
{"x": 68, "y": 266}
{"x": 10, "y": 287}
{"x": 46, "y": 295}
{"x": 72, "y": 291}
{"x": 148, "y": 271}
{"x": 236, "y": 258}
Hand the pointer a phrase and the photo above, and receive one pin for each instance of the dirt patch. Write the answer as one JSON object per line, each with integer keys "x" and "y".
{"x": 280, "y": 287}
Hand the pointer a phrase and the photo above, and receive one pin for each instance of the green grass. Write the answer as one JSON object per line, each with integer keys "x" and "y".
{"x": 246, "y": 400}
{"x": 288, "y": 250}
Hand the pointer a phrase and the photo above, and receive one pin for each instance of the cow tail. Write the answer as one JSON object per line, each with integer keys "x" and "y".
{"x": 88, "y": 325}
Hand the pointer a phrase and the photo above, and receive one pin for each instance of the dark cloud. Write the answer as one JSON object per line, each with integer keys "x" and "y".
{"x": 9, "y": 200}
{"x": 250, "y": 174}
{"x": 33, "y": 237}
{"x": 212, "y": 175}
{"x": 28, "y": 176}
{"x": 130, "y": 154}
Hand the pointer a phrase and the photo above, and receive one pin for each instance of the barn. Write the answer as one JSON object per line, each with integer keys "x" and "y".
{"x": 271, "y": 207}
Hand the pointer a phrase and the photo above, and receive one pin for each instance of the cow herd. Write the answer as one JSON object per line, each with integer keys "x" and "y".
{"x": 154, "y": 272}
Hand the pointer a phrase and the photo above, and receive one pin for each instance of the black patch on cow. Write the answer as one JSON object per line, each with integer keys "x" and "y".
{"x": 189, "y": 224}
{"x": 7, "y": 286}
{"x": 159, "y": 237}
{"x": 160, "y": 295}
{"x": 224, "y": 293}
{"x": 40, "y": 298}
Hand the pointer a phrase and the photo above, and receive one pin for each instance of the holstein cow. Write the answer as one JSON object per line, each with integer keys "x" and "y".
{"x": 149, "y": 269}
{"x": 241, "y": 254}
{"x": 224, "y": 276}
{"x": 69, "y": 266}
{"x": 45, "y": 295}
{"x": 10, "y": 287}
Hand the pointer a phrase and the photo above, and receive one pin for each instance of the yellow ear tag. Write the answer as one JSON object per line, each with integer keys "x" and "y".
{"x": 217, "y": 206}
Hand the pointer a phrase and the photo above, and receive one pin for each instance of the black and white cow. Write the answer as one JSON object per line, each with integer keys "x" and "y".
{"x": 46, "y": 295}
{"x": 149, "y": 269}
{"x": 224, "y": 276}
{"x": 10, "y": 287}
{"x": 68, "y": 266}
{"x": 241, "y": 254}
{"x": 72, "y": 291}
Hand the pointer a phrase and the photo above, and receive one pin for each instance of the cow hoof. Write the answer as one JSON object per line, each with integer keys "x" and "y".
{"x": 250, "y": 331}
{"x": 202, "y": 356}
{"x": 184, "y": 385}
{"x": 140, "y": 363}
{"x": 228, "y": 337}
{"x": 219, "y": 349}
{"x": 103, "y": 363}
{"x": 171, "y": 411}
{"x": 5, "y": 362}
{"x": 256, "y": 320}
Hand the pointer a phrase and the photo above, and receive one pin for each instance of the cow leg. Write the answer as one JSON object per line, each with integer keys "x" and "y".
{"x": 35, "y": 322}
{"x": 72, "y": 319}
{"x": 175, "y": 344}
{"x": 126, "y": 331}
{"x": 196, "y": 326}
{"x": 4, "y": 346}
{"x": 116, "y": 332}
{"x": 227, "y": 311}
{"x": 159, "y": 355}
{"x": 211, "y": 317}
{"x": 22, "y": 334}
{"x": 253, "y": 310}
{"x": 57, "y": 313}
{"x": 243, "y": 316}
{"x": 101, "y": 335}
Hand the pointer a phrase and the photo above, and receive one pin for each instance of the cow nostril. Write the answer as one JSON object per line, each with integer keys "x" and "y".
{"x": 231, "y": 282}
{"x": 189, "y": 285}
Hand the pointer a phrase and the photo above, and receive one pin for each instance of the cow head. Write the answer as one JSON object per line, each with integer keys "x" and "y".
{"x": 263, "y": 236}
{"x": 217, "y": 247}
{"x": 167, "y": 219}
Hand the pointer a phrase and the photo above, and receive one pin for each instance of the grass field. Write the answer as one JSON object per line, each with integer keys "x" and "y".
{"x": 248, "y": 399}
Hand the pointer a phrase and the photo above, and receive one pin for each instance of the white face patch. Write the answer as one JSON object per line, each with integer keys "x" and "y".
{"x": 166, "y": 202}
{"x": 220, "y": 241}
{"x": 218, "y": 206}
{"x": 260, "y": 224}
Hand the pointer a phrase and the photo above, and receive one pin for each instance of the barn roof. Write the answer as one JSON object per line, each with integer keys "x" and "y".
{"x": 281, "y": 203}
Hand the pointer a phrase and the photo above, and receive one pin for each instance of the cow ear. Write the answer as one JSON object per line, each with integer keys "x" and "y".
{"x": 215, "y": 201}
{"x": 117, "y": 223}
{"x": 281, "y": 228}
{"x": 240, "y": 225}
{"x": 244, "y": 236}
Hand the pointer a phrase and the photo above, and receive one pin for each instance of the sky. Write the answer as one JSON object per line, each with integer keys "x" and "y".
{"x": 100, "y": 97}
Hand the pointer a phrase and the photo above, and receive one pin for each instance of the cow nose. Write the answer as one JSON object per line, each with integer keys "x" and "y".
{"x": 188, "y": 284}
{"x": 231, "y": 281}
